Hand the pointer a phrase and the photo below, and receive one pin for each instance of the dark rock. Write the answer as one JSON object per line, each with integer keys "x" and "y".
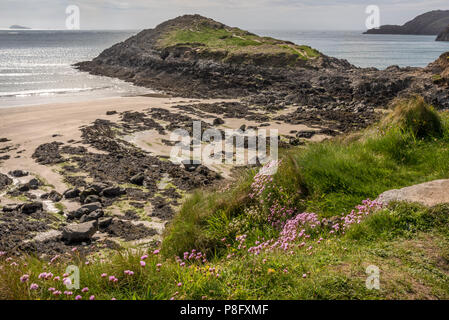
{"x": 110, "y": 113}
{"x": 112, "y": 192}
{"x": 76, "y": 233}
{"x": 11, "y": 207}
{"x": 18, "y": 173}
{"x": 218, "y": 121}
{"x": 54, "y": 196}
{"x": 97, "y": 214}
{"x": 88, "y": 192}
{"x": 306, "y": 134}
{"x": 71, "y": 193}
{"x": 32, "y": 207}
{"x": 92, "y": 198}
{"x": 137, "y": 179}
{"x": 104, "y": 222}
{"x": 23, "y": 187}
{"x": 5, "y": 181}
{"x": 33, "y": 184}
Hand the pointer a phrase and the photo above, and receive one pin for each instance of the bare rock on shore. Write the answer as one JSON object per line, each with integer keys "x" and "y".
{"x": 429, "y": 194}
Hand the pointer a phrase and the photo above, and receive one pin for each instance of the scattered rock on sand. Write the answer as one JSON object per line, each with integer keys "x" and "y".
{"x": 429, "y": 194}
{"x": 18, "y": 173}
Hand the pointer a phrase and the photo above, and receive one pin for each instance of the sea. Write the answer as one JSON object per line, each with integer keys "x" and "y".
{"x": 36, "y": 65}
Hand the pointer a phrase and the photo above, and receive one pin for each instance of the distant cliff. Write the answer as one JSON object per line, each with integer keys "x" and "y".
{"x": 444, "y": 35}
{"x": 430, "y": 23}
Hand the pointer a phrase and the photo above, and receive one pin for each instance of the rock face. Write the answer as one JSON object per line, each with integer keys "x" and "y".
{"x": 444, "y": 35}
{"x": 75, "y": 233}
{"x": 430, "y": 23}
{"x": 196, "y": 57}
{"x": 428, "y": 194}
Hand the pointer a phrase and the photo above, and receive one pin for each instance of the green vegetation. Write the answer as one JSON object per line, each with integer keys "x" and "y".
{"x": 229, "y": 43}
{"x": 327, "y": 257}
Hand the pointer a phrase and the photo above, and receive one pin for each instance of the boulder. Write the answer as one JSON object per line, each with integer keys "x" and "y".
{"x": 71, "y": 193}
{"x": 31, "y": 207}
{"x": 79, "y": 232}
{"x": 429, "y": 194}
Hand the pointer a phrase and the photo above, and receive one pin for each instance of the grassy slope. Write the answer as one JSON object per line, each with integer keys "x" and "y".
{"x": 409, "y": 243}
{"x": 234, "y": 41}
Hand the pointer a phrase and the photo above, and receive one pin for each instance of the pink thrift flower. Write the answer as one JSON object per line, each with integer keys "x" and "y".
{"x": 156, "y": 251}
{"x": 86, "y": 289}
{"x": 142, "y": 263}
{"x": 304, "y": 275}
{"x": 34, "y": 286}
{"x": 78, "y": 297}
{"x": 51, "y": 289}
{"x": 144, "y": 257}
{"x": 104, "y": 275}
{"x": 180, "y": 284}
{"x": 24, "y": 278}
{"x": 92, "y": 298}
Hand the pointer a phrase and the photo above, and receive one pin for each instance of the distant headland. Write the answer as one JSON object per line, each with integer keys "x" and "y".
{"x": 17, "y": 27}
{"x": 430, "y": 23}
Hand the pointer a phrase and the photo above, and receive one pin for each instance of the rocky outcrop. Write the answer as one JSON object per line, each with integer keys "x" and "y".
{"x": 430, "y": 23}
{"x": 444, "y": 35}
{"x": 428, "y": 194}
{"x": 261, "y": 75}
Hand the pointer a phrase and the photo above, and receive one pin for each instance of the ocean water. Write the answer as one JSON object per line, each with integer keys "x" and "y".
{"x": 35, "y": 66}
{"x": 363, "y": 50}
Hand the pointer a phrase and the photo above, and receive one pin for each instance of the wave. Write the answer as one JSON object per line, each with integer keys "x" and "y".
{"x": 46, "y": 92}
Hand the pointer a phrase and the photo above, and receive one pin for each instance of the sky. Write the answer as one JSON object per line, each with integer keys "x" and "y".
{"x": 247, "y": 14}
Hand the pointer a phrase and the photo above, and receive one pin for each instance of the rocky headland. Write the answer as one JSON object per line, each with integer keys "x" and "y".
{"x": 429, "y": 23}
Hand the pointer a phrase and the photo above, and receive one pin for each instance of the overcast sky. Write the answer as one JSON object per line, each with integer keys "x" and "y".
{"x": 248, "y": 14}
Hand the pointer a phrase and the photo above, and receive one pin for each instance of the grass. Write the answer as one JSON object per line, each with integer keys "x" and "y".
{"x": 232, "y": 43}
{"x": 407, "y": 242}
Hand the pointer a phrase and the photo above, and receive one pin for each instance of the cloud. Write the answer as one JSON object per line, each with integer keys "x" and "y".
{"x": 267, "y": 14}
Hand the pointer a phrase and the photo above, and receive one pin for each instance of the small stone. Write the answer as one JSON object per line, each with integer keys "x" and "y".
{"x": 138, "y": 179}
